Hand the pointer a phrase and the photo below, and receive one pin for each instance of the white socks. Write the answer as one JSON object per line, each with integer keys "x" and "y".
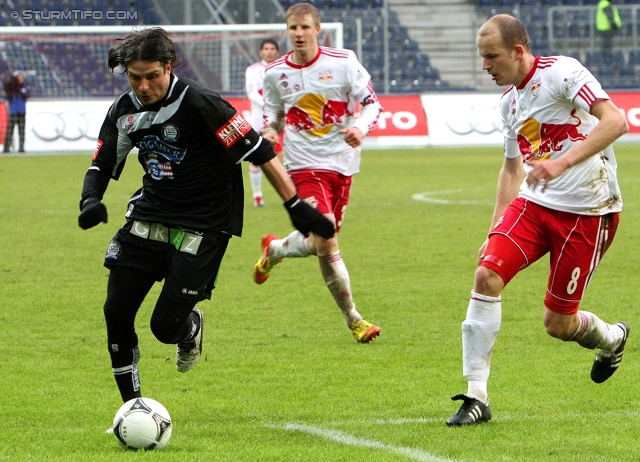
{"x": 334, "y": 271}
{"x": 336, "y": 276}
{"x": 292, "y": 246}
{"x": 255, "y": 175}
{"x": 479, "y": 332}
{"x": 593, "y": 332}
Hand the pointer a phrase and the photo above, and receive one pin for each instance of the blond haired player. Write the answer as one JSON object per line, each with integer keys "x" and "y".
{"x": 313, "y": 92}
{"x": 557, "y": 194}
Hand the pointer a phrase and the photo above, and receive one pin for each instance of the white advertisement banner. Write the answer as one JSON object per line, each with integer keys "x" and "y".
{"x": 460, "y": 119}
{"x": 454, "y": 119}
{"x": 64, "y": 126}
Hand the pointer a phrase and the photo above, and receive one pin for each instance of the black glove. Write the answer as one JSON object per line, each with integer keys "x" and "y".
{"x": 93, "y": 212}
{"x": 306, "y": 219}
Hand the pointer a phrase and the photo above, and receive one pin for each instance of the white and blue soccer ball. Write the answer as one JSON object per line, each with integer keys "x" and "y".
{"x": 142, "y": 423}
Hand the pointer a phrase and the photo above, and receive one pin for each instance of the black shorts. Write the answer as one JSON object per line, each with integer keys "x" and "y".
{"x": 187, "y": 260}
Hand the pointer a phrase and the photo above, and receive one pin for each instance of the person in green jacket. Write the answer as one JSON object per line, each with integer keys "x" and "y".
{"x": 607, "y": 24}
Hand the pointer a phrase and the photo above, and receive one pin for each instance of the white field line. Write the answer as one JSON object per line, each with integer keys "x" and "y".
{"x": 350, "y": 440}
{"x": 433, "y": 197}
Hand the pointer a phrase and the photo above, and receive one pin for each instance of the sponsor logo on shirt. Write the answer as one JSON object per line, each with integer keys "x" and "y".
{"x": 129, "y": 126}
{"x": 233, "y": 130}
{"x": 158, "y": 170}
{"x": 96, "y": 151}
{"x": 317, "y": 115}
{"x": 572, "y": 81}
{"x": 151, "y": 144}
{"x": 153, "y": 151}
{"x": 540, "y": 140}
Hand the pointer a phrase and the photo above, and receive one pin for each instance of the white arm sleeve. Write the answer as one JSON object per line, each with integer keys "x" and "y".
{"x": 273, "y": 105}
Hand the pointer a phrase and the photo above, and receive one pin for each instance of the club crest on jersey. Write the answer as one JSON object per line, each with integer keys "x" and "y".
{"x": 170, "y": 132}
{"x": 325, "y": 77}
{"x": 233, "y": 130}
{"x": 535, "y": 87}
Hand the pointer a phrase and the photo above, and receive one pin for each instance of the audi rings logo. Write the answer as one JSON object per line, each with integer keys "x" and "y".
{"x": 69, "y": 126}
{"x": 476, "y": 119}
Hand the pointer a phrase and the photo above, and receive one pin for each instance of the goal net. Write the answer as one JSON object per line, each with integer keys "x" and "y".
{"x": 70, "y": 62}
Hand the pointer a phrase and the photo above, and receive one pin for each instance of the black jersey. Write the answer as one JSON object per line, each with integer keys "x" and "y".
{"x": 190, "y": 145}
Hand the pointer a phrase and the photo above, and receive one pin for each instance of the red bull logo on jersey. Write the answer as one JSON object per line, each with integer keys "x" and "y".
{"x": 325, "y": 77}
{"x": 540, "y": 140}
{"x": 316, "y": 115}
{"x": 535, "y": 87}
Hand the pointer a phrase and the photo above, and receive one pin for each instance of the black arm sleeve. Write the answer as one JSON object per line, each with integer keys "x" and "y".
{"x": 95, "y": 184}
{"x": 233, "y": 131}
{"x": 263, "y": 153}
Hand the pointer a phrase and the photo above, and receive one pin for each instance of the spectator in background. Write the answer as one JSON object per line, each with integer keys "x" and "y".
{"x": 607, "y": 24}
{"x": 17, "y": 93}
{"x": 312, "y": 93}
{"x": 269, "y": 52}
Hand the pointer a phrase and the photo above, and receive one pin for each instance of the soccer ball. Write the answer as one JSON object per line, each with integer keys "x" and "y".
{"x": 142, "y": 423}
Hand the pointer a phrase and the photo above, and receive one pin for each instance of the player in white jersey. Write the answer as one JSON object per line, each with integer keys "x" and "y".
{"x": 313, "y": 93}
{"x": 557, "y": 194}
{"x": 269, "y": 51}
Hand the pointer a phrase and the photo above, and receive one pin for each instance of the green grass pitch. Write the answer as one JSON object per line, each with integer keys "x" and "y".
{"x": 281, "y": 378}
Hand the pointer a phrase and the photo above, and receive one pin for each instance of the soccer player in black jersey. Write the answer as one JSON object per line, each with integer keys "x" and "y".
{"x": 190, "y": 144}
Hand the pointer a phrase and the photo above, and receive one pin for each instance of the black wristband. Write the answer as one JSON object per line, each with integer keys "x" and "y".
{"x": 291, "y": 203}
{"x": 85, "y": 202}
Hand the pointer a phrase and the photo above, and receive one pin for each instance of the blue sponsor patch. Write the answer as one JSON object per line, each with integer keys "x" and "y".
{"x": 151, "y": 144}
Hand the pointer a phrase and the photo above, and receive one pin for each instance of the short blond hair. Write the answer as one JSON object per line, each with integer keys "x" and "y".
{"x": 303, "y": 9}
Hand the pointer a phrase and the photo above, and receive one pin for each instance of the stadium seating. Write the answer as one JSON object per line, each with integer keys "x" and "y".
{"x": 572, "y": 32}
{"x": 341, "y": 4}
{"x": 58, "y": 77}
{"x": 359, "y": 4}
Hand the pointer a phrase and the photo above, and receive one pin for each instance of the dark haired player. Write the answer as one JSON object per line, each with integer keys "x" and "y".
{"x": 190, "y": 144}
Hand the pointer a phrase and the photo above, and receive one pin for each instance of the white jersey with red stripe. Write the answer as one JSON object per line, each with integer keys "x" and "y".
{"x": 547, "y": 115}
{"x": 317, "y": 100}
{"x": 253, "y": 83}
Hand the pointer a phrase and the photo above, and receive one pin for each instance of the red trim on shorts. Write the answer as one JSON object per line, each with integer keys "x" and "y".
{"x": 560, "y": 306}
{"x": 504, "y": 256}
{"x": 326, "y": 190}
